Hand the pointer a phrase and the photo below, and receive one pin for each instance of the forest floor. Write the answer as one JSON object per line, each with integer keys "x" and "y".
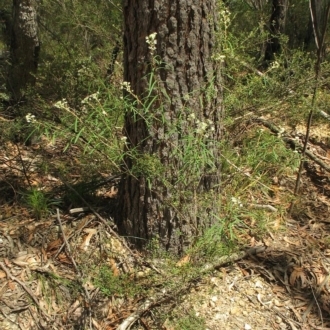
{"x": 68, "y": 269}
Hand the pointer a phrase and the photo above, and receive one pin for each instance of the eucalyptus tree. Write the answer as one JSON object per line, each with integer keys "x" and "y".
{"x": 24, "y": 47}
{"x": 277, "y": 27}
{"x": 172, "y": 83}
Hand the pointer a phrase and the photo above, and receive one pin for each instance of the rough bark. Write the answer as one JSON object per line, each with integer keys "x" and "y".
{"x": 5, "y": 23}
{"x": 277, "y": 27}
{"x": 24, "y": 47}
{"x": 317, "y": 24}
{"x": 154, "y": 202}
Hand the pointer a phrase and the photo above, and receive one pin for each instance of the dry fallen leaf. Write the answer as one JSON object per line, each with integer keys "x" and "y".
{"x": 114, "y": 267}
{"x": 183, "y": 261}
{"x": 11, "y": 285}
{"x": 91, "y": 232}
{"x": 53, "y": 246}
{"x": 298, "y": 273}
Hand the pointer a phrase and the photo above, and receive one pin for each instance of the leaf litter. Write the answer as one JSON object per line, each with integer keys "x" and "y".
{"x": 286, "y": 286}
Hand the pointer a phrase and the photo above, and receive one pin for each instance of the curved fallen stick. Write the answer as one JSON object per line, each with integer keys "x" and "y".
{"x": 168, "y": 295}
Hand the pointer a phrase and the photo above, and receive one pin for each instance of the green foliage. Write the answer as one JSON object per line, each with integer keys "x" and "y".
{"x": 76, "y": 103}
{"x": 111, "y": 284}
{"x": 266, "y": 155}
{"x": 95, "y": 125}
{"x": 190, "y": 322}
{"x": 147, "y": 166}
{"x": 217, "y": 240}
{"x": 79, "y": 43}
{"x": 39, "y": 202}
{"x": 55, "y": 287}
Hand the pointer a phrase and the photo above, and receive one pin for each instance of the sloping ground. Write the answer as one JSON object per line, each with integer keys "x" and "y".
{"x": 69, "y": 269}
{"x": 286, "y": 286}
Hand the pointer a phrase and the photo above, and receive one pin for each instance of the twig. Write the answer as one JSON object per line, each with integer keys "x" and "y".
{"x": 4, "y": 119}
{"x": 319, "y": 40}
{"x": 158, "y": 299}
{"x": 284, "y": 317}
{"x": 28, "y": 291}
{"x": 79, "y": 210}
{"x": 8, "y": 318}
{"x": 70, "y": 253}
{"x": 102, "y": 220}
{"x": 264, "y": 206}
{"x": 241, "y": 171}
{"x": 324, "y": 114}
{"x": 318, "y": 305}
{"x": 80, "y": 275}
{"x": 23, "y": 166}
{"x": 73, "y": 234}
{"x": 66, "y": 242}
{"x": 316, "y": 295}
{"x": 291, "y": 141}
{"x": 129, "y": 321}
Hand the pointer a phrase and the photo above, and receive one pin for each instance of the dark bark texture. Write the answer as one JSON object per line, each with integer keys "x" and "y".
{"x": 319, "y": 15}
{"x": 5, "y": 22}
{"x": 189, "y": 81}
{"x": 277, "y": 27}
{"x": 24, "y": 47}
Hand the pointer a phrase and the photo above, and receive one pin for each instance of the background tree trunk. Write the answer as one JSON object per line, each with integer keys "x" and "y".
{"x": 277, "y": 27}
{"x": 24, "y": 47}
{"x": 317, "y": 23}
{"x": 5, "y": 23}
{"x": 154, "y": 202}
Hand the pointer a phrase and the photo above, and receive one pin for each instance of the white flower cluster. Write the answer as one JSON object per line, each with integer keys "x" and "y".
{"x": 280, "y": 132}
{"x": 275, "y": 65}
{"x": 127, "y": 86}
{"x": 225, "y": 15}
{"x": 237, "y": 201}
{"x": 152, "y": 42}
{"x": 30, "y": 118}
{"x": 191, "y": 117}
{"x": 84, "y": 71}
{"x": 201, "y": 126}
{"x": 90, "y": 98}
{"x": 219, "y": 58}
{"x": 62, "y": 104}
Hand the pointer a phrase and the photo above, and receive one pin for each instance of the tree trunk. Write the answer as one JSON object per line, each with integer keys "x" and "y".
{"x": 317, "y": 23}
{"x": 277, "y": 27}
{"x": 6, "y": 23}
{"x": 24, "y": 48}
{"x": 171, "y": 189}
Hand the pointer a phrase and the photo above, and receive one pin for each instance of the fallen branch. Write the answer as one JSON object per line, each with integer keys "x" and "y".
{"x": 27, "y": 290}
{"x": 264, "y": 207}
{"x": 292, "y": 142}
{"x": 66, "y": 242}
{"x": 324, "y": 114}
{"x": 105, "y": 222}
{"x": 173, "y": 294}
{"x": 80, "y": 275}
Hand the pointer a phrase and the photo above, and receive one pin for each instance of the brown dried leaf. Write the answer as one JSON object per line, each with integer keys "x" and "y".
{"x": 86, "y": 241}
{"x": 53, "y": 246}
{"x": 319, "y": 275}
{"x": 112, "y": 193}
{"x": 62, "y": 257}
{"x": 114, "y": 267}
{"x": 11, "y": 285}
{"x": 183, "y": 261}
{"x": 298, "y": 273}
